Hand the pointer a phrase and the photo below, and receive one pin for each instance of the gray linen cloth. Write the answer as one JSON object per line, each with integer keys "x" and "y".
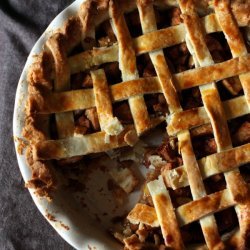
{"x": 21, "y": 224}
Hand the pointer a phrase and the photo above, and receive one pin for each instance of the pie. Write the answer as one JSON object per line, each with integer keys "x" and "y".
{"x": 118, "y": 70}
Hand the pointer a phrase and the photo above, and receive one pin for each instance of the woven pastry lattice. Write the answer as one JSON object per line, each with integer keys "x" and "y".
{"x": 49, "y": 93}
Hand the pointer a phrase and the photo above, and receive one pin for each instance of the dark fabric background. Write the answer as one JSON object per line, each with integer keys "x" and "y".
{"x": 21, "y": 224}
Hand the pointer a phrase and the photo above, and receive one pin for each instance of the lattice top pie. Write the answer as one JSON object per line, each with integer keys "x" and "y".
{"x": 119, "y": 69}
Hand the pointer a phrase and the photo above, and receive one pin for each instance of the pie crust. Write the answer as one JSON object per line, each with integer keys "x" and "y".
{"x": 51, "y": 95}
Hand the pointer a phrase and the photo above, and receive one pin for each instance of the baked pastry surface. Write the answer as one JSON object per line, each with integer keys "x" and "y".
{"x": 91, "y": 65}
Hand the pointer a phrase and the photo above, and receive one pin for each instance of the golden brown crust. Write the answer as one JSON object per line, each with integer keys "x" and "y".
{"x": 196, "y": 44}
{"x": 82, "y": 145}
{"x": 217, "y": 116}
{"x": 155, "y": 40}
{"x": 165, "y": 213}
{"x": 188, "y": 212}
{"x": 108, "y": 122}
{"x": 209, "y": 166}
{"x": 47, "y": 102}
{"x": 91, "y": 13}
{"x": 215, "y": 72}
{"x": 127, "y": 65}
{"x": 50, "y": 92}
{"x": 234, "y": 36}
{"x": 146, "y": 12}
{"x": 41, "y": 71}
{"x": 36, "y": 128}
{"x": 43, "y": 179}
{"x": 144, "y": 214}
{"x": 230, "y": 27}
{"x": 195, "y": 117}
{"x": 205, "y": 205}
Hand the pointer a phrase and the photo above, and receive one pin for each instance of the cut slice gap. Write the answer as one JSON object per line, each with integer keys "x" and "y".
{"x": 95, "y": 181}
{"x": 133, "y": 22}
{"x": 215, "y": 183}
{"x": 191, "y": 98}
{"x": 240, "y": 130}
{"x": 161, "y": 156}
{"x": 158, "y": 134}
{"x": 130, "y": 155}
{"x": 127, "y": 176}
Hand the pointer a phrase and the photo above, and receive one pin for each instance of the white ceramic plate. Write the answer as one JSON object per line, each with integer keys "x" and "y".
{"x": 74, "y": 222}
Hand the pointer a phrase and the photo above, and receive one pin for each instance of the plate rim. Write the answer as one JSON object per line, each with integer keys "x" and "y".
{"x": 18, "y": 119}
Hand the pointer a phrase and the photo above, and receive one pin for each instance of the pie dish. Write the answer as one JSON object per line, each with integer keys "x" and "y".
{"x": 119, "y": 69}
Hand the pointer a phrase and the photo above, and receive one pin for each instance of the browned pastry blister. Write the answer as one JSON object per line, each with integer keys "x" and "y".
{"x": 118, "y": 69}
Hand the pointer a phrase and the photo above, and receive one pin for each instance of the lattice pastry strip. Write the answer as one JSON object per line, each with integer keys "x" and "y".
{"x": 83, "y": 144}
{"x": 146, "y": 12}
{"x": 216, "y": 116}
{"x": 108, "y": 123}
{"x": 187, "y": 119}
{"x": 127, "y": 64}
{"x": 83, "y": 99}
{"x": 209, "y": 93}
{"x": 159, "y": 39}
{"x": 64, "y": 121}
{"x": 174, "y": 106}
{"x": 193, "y": 167}
{"x": 89, "y": 95}
{"x": 162, "y": 201}
{"x": 71, "y": 100}
{"x": 165, "y": 214}
{"x": 185, "y": 214}
{"x": 208, "y": 224}
{"x": 209, "y": 61}
{"x": 234, "y": 39}
{"x": 132, "y": 89}
{"x": 210, "y": 165}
